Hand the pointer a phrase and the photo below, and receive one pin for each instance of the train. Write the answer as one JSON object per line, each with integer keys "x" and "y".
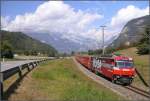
{"x": 117, "y": 68}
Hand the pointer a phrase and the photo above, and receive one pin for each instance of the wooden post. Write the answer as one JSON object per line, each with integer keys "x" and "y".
{"x": 20, "y": 71}
{"x": 3, "y": 58}
{"x": 28, "y": 67}
{"x": 35, "y": 64}
{"x": 32, "y": 64}
{"x": 1, "y": 86}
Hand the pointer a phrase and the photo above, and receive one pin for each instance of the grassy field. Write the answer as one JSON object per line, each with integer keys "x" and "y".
{"x": 61, "y": 80}
{"x": 141, "y": 62}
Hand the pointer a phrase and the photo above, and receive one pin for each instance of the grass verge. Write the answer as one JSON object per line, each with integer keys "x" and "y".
{"x": 61, "y": 80}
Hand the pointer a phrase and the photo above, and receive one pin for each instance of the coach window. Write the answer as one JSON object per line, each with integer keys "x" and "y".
{"x": 115, "y": 64}
{"x": 112, "y": 64}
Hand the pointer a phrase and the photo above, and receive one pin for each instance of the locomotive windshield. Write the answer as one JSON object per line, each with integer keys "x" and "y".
{"x": 124, "y": 64}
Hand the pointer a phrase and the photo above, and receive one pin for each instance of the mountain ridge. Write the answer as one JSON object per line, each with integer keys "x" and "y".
{"x": 21, "y": 43}
{"x": 132, "y": 32}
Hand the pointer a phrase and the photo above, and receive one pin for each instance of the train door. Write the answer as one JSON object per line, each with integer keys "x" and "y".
{"x": 104, "y": 69}
{"x": 89, "y": 62}
{"x": 107, "y": 69}
{"x": 109, "y": 65}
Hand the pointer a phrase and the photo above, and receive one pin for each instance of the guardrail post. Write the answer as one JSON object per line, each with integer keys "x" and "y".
{"x": 28, "y": 67}
{"x": 1, "y": 86}
{"x": 32, "y": 64}
{"x": 35, "y": 63}
{"x": 20, "y": 72}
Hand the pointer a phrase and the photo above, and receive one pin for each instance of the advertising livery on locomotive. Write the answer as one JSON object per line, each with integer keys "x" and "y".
{"x": 117, "y": 68}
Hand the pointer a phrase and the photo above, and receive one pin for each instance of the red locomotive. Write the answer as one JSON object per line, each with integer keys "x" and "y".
{"x": 117, "y": 68}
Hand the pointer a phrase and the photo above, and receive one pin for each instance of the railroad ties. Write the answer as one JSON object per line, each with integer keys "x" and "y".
{"x": 128, "y": 92}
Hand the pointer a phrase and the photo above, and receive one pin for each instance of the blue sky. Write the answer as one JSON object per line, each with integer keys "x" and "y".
{"x": 106, "y": 8}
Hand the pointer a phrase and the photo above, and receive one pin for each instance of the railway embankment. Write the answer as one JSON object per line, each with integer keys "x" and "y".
{"x": 128, "y": 92}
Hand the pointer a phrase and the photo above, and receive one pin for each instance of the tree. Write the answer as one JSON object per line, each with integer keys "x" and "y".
{"x": 72, "y": 53}
{"x": 90, "y": 52}
{"x": 34, "y": 53}
{"x": 26, "y": 53}
{"x": 21, "y": 44}
{"x": 143, "y": 45}
{"x": 110, "y": 50}
{"x": 52, "y": 54}
{"x": 6, "y": 50}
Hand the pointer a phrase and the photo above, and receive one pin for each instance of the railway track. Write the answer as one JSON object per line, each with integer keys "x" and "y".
{"x": 138, "y": 91}
{"x": 128, "y": 92}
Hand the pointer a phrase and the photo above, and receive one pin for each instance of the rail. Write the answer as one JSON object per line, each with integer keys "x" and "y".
{"x": 8, "y": 69}
{"x": 128, "y": 92}
{"x": 138, "y": 91}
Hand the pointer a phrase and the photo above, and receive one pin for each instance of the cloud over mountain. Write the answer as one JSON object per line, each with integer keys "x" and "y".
{"x": 59, "y": 19}
{"x": 125, "y": 14}
{"x": 53, "y": 16}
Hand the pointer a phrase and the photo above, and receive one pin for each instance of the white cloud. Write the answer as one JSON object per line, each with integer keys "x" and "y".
{"x": 56, "y": 17}
{"x": 4, "y": 22}
{"x": 53, "y": 16}
{"x": 126, "y": 14}
{"x": 122, "y": 16}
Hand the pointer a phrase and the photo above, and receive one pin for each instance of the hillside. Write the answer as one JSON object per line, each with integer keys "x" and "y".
{"x": 140, "y": 60}
{"x": 21, "y": 43}
{"x": 132, "y": 32}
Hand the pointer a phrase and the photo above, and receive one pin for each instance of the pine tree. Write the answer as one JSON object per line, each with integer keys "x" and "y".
{"x": 144, "y": 45}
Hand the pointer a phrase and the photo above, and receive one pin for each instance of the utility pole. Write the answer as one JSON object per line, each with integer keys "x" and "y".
{"x": 149, "y": 38}
{"x": 103, "y": 37}
{"x": 149, "y": 7}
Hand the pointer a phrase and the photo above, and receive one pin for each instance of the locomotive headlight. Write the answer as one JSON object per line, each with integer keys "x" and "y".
{"x": 132, "y": 77}
{"x": 130, "y": 59}
{"x": 116, "y": 68}
{"x": 117, "y": 76}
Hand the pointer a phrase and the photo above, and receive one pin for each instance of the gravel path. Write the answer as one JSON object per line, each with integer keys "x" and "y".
{"x": 120, "y": 90}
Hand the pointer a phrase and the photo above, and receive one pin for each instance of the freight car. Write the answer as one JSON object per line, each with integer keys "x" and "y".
{"x": 116, "y": 68}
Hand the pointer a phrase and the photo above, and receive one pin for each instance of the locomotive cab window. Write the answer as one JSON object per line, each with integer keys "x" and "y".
{"x": 124, "y": 64}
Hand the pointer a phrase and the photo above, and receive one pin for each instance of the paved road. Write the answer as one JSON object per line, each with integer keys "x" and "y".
{"x": 32, "y": 57}
{"x": 127, "y": 94}
{"x": 11, "y": 64}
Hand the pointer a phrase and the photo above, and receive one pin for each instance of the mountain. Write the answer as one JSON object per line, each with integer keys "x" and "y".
{"x": 63, "y": 44}
{"x": 132, "y": 32}
{"x": 129, "y": 35}
{"x": 21, "y": 43}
